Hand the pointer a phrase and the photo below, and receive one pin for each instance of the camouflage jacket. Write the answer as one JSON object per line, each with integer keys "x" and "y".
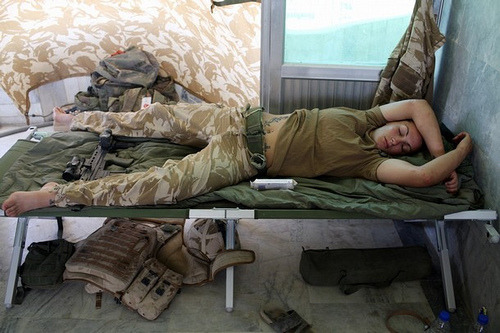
{"x": 410, "y": 68}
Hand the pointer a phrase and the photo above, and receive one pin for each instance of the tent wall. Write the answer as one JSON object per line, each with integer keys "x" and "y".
{"x": 214, "y": 54}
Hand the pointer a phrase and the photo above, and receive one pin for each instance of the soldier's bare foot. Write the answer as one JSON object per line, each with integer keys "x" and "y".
{"x": 20, "y": 202}
{"x": 62, "y": 120}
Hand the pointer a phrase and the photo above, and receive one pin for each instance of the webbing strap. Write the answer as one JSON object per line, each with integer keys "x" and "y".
{"x": 255, "y": 137}
{"x": 60, "y": 227}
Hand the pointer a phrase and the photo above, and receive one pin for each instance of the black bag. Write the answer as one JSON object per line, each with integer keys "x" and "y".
{"x": 45, "y": 263}
{"x": 352, "y": 269}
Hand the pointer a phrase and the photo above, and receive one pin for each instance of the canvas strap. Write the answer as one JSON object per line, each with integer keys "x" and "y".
{"x": 424, "y": 320}
{"x": 255, "y": 137}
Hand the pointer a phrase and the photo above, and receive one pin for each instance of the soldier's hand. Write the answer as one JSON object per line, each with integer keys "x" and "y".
{"x": 464, "y": 141}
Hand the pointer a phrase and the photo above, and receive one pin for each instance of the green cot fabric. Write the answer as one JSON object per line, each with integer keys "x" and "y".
{"x": 16, "y": 151}
{"x": 46, "y": 161}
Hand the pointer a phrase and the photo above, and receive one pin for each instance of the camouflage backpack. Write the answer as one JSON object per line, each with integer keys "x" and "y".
{"x": 125, "y": 81}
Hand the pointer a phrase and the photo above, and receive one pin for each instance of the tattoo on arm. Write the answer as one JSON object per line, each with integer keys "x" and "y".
{"x": 269, "y": 122}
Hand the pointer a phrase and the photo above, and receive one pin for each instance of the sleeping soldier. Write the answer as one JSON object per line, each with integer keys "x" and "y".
{"x": 239, "y": 144}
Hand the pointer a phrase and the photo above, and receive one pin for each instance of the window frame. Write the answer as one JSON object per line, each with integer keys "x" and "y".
{"x": 274, "y": 70}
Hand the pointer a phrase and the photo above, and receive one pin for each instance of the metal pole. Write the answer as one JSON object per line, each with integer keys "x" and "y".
{"x": 230, "y": 235}
{"x": 17, "y": 253}
{"x": 444, "y": 258}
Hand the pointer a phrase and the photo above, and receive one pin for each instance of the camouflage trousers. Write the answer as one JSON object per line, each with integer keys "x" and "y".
{"x": 223, "y": 160}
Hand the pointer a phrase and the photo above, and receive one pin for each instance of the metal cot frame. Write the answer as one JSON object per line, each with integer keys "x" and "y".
{"x": 231, "y": 216}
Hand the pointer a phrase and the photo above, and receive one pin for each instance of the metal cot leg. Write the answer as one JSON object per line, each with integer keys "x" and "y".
{"x": 17, "y": 253}
{"x": 231, "y": 216}
{"x": 230, "y": 235}
{"x": 444, "y": 259}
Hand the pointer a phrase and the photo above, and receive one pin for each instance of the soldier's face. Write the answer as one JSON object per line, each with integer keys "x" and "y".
{"x": 398, "y": 138}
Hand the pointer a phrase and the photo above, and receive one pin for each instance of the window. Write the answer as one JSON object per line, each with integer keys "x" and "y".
{"x": 344, "y": 32}
{"x": 307, "y": 44}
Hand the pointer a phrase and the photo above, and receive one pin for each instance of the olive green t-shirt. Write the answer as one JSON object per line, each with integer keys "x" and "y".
{"x": 334, "y": 142}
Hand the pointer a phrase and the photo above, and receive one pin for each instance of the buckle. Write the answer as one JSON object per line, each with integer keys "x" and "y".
{"x": 258, "y": 161}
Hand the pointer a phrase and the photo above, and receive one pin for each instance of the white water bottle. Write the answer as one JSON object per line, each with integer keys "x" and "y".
{"x": 441, "y": 323}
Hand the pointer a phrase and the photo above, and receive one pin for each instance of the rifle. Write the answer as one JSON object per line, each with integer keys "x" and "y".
{"x": 95, "y": 166}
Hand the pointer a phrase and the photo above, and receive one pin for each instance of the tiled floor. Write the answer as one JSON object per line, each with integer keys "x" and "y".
{"x": 273, "y": 280}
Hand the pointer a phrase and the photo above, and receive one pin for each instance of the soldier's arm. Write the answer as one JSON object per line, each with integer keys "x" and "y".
{"x": 421, "y": 113}
{"x": 395, "y": 171}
